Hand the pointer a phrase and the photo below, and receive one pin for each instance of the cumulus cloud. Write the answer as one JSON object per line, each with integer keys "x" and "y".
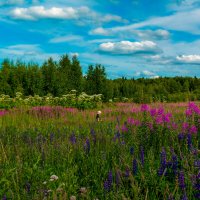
{"x": 37, "y": 12}
{"x": 190, "y": 59}
{"x": 128, "y": 48}
{"x": 81, "y": 14}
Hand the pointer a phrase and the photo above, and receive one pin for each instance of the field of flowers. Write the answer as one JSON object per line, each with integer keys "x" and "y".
{"x": 134, "y": 152}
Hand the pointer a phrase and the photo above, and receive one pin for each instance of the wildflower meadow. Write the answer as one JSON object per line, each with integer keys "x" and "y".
{"x": 135, "y": 151}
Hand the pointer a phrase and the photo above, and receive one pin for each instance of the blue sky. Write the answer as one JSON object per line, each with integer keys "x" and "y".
{"x": 132, "y": 38}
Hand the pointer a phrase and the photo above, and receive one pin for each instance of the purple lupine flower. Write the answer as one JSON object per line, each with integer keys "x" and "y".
{"x": 184, "y": 197}
{"x": 142, "y": 155}
{"x": 110, "y": 178}
{"x": 28, "y": 187}
{"x": 174, "y": 163}
{"x": 72, "y": 138}
{"x": 197, "y": 195}
{"x": 163, "y": 162}
{"x": 189, "y": 141}
{"x": 134, "y": 167}
{"x": 197, "y": 186}
{"x": 181, "y": 136}
{"x": 181, "y": 180}
{"x": 197, "y": 163}
{"x": 127, "y": 173}
{"x": 87, "y": 146}
{"x": 94, "y": 138}
{"x": 132, "y": 150}
{"x": 92, "y": 131}
{"x": 4, "y": 197}
{"x": 106, "y": 186}
{"x": 171, "y": 197}
{"x": 117, "y": 136}
{"x": 51, "y": 137}
{"x": 163, "y": 157}
{"x": 108, "y": 182}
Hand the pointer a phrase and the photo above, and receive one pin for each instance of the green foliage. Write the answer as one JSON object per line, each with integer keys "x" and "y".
{"x": 59, "y": 78}
{"x": 74, "y": 100}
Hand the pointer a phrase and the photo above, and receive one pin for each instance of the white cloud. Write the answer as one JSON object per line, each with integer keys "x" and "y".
{"x": 100, "y": 31}
{"x": 187, "y": 21}
{"x": 191, "y": 59}
{"x": 128, "y": 48}
{"x": 66, "y": 38}
{"x": 26, "y": 52}
{"x": 81, "y": 14}
{"x": 159, "y": 34}
{"x": 146, "y": 74}
{"x": 37, "y": 12}
{"x": 109, "y": 18}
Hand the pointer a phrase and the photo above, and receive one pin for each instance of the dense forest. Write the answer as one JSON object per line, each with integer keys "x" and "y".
{"x": 60, "y": 77}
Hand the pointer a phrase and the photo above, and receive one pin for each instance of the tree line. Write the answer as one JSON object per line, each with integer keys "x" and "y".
{"x": 60, "y": 77}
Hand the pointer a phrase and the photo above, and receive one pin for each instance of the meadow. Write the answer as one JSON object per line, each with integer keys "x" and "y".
{"x": 135, "y": 152}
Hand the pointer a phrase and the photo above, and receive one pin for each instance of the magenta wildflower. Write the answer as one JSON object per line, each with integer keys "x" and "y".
{"x": 185, "y": 126}
{"x": 166, "y": 117}
{"x": 159, "y": 120}
{"x": 153, "y": 112}
{"x": 144, "y": 107}
{"x": 3, "y": 112}
{"x": 160, "y": 111}
{"x": 124, "y": 128}
{"x": 188, "y": 112}
{"x": 193, "y": 129}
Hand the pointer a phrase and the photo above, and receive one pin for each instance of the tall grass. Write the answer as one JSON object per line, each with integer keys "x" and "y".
{"x": 134, "y": 152}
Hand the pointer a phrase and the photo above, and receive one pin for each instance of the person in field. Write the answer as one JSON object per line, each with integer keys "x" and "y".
{"x": 98, "y": 116}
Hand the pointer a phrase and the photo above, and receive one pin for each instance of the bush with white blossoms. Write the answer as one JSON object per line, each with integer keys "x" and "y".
{"x": 72, "y": 99}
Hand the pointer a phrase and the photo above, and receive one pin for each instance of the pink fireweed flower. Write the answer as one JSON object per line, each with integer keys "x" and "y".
{"x": 144, "y": 108}
{"x": 166, "y": 117}
{"x": 185, "y": 126}
{"x": 124, "y": 128}
{"x": 174, "y": 126}
{"x": 188, "y": 112}
{"x": 194, "y": 108}
{"x": 159, "y": 120}
{"x": 160, "y": 111}
{"x": 153, "y": 112}
{"x": 3, "y": 112}
{"x": 193, "y": 129}
{"x": 130, "y": 121}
